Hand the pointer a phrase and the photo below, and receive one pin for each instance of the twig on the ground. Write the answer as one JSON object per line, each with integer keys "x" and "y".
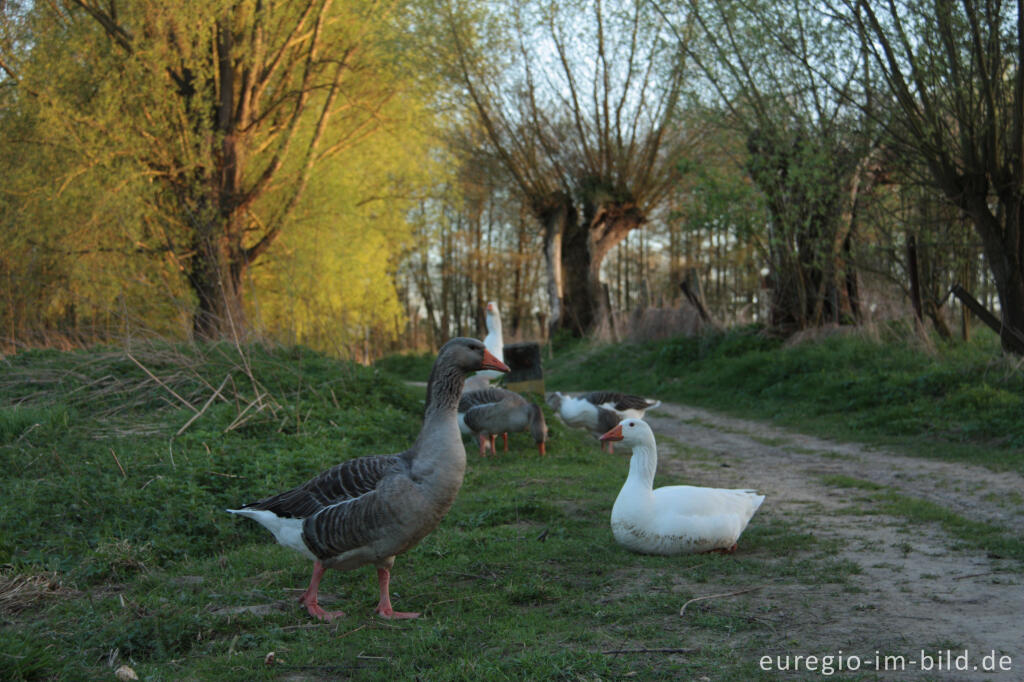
{"x": 123, "y": 474}
{"x": 217, "y": 473}
{"x": 157, "y": 380}
{"x": 716, "y": 596}
{"x": 200, "y": 412}
{"x": 305, "y": 626}
{"x": 351, "y": 631}
{"x": 650, "y": 651}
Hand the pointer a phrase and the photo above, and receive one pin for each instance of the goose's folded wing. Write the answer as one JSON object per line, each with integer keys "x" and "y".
{"x": 346, "y": 481}
{"x": 380, "y": 515}
{"x": 610, "y": 398}
{"x": 634, "y": 402}
{"x": 483, "y": 396}
{"x": 478, "y": 418}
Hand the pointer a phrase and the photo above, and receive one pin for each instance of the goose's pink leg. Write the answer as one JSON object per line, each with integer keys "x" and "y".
{"x": 384, "y": 609}
{"x": 308, "y": 598}
{"x": 494, "y": 438}
{"x": 505, "y": 436}
{"x": 484, "y": 444}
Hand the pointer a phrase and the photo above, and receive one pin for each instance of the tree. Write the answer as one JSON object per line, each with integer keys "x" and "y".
{"x": 954, "y": 74}
{"x": 226, "y": 108}
{"x": 808, "y": 148}
{"x": 583, "y": 116}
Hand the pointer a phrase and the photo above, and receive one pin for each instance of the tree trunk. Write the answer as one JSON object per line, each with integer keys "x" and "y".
{"x": 915, "y": 280}
{"x": 578, "y": 304}
{"x": 1004, "y": 251}
{"x": 555, "y": 213}
{"x": 585, "y": 245}
{"x": 217, "y": 268}
{"x": 1012, "y": 339}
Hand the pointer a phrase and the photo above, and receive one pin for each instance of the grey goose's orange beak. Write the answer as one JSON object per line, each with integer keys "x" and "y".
{"x": 613, "y": 435}
{"x": 491, "y": 362}
{"x": 541, "y": 449}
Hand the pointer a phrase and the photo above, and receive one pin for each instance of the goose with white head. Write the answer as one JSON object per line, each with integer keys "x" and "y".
{"x": 678, "y": 519}
{"x": 599, "y": 411}
{"x": 495, "y": 345}
{"x": 369, "y": 509}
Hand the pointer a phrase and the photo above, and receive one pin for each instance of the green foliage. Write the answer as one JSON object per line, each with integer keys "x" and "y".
{"x": 964, "y": 397}
{"x": 23, "y": 656}
{"x": 128, "y": 136}
{"x": 408, "y": 366}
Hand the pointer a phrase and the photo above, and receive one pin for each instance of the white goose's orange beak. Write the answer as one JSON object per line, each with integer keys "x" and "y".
{"x": 491, "y": 362}
{"x": 613, "y": 435}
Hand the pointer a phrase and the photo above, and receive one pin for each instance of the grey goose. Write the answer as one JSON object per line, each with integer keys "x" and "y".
{"x": 369, "y": 509}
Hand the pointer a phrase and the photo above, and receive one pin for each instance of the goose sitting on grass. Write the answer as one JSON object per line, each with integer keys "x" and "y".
{"x": 488, "y": 412}
{"x": 677, "y": 519}
{"x": 599, "y": 411}
{"x": 369, "y": 509}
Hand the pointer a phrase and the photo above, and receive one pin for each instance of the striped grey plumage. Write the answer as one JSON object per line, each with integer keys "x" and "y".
{"x": 497, "y": 410}
{"x": 484, "y": 396}
{"x": 344, "y": 481}
{"x": 620, "y": 401}
{"x": 368, "y": 509}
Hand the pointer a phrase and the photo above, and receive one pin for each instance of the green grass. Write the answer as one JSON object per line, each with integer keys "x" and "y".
{"x": 844, "y": 481}
{"x": 116, "y": 472}
{"x": 973, "y": 535}
{"x": 995, "y": 540}
{"x": 961, "y": 403}
{"x": 407, "y": 366}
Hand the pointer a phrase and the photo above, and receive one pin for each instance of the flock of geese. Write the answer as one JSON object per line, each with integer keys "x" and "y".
{"x": 370, "y": 509}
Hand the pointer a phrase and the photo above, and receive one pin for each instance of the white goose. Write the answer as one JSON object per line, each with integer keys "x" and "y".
{"x": 599, "y": 411}
{"x": 495, "y": 346}
{"x": 677, "y": 519}
{"x": 369, "y": 509}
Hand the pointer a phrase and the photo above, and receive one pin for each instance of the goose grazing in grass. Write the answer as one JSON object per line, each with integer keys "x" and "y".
{"x": 369, "y": 509}
{"x": 675, "y": 519}
{"x": 495, "y": 345}
{"x": 488, "y": 412}
{"x": 599, "y": 411}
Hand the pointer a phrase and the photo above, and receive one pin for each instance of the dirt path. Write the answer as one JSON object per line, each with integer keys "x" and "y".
{"x": 915, "y": 595}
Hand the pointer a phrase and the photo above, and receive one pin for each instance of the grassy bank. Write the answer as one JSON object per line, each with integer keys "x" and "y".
{"x": 116, "y": 550}
{"x": 961, "y": 402}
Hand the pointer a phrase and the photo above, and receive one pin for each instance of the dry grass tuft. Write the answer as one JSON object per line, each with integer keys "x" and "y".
{"x": 146, "y": 378}
{"x": 19, "y": 592}
{"x": 651, "y": 324}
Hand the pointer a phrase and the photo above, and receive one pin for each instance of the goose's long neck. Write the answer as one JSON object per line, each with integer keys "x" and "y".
{"x": 494, "y": 325}
{"x": 444, "y": 388}
{"x": 440, "y": 416}
{"x": 642, "y": 466}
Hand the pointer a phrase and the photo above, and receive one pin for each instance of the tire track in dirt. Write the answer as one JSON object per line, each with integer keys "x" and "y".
{"x": 914, "y": 592}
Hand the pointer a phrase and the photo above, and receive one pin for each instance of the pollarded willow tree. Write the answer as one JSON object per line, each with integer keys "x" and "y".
{"x": 954, "y": 73}
{"x": 225, "y": 108}
{"x": 582, "y": 109}
{"x": 808, "y": 148}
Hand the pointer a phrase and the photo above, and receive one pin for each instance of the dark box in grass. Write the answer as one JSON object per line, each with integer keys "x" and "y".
{"x": 526, "y": 374}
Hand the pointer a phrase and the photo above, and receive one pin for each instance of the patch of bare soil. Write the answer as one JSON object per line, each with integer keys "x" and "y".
{"x": 916, "y": 598}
